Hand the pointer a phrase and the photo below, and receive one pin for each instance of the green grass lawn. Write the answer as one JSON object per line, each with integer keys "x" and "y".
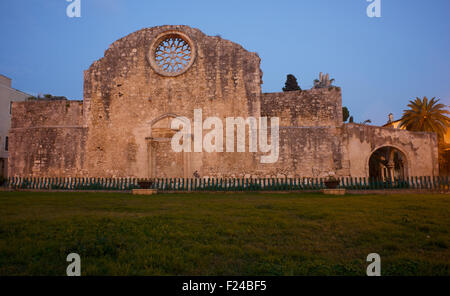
{"x": 223, "y": 234}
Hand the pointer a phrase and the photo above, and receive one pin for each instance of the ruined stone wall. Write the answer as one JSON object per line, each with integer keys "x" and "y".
{"x": 123, "y": 126}
{"x": 124, "y": 96}
{"x": 47, "y": 138}
{"x": 308, "y": 152}
{"x": 310, "y": 133}
{"x": 420, "y": 148}
{"x": 315, "y": 107}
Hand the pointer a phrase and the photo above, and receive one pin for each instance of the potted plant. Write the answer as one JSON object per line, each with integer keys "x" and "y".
{"x": 145, "y": 183}
{"x": 332, "y": 182}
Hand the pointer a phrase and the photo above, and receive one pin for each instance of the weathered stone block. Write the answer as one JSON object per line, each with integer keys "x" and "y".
{"x": 144, "y": 191}
{"x": 333, "y": 191}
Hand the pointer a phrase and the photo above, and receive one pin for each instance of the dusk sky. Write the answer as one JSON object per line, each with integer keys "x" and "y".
{"x": 380, "y": 63}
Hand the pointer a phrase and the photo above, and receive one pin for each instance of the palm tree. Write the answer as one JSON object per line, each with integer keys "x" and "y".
{"x": 426, "y": 116}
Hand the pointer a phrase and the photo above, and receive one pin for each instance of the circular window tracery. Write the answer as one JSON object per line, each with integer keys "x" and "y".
{"x": 172, "y": 53}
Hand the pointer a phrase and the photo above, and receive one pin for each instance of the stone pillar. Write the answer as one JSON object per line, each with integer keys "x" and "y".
{"x": 390, "y": 168}
{"x": 151, "y": 164}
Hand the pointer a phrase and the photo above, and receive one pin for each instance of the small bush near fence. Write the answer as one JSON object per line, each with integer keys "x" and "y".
{"x": 226, "y": 184}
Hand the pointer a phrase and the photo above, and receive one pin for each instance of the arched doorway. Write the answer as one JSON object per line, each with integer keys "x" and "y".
{"x": 387, "y": 163}
{"x": 163, "y": 162}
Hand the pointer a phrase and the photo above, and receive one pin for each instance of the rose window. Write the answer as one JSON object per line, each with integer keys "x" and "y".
{"x": 173, "y": 54}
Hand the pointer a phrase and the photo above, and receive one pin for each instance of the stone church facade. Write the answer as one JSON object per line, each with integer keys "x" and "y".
{"x": 122, "y": 128}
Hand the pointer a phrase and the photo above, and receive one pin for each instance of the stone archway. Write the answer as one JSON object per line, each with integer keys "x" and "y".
{"x": 388, "y": 162}
{"x": 163, "y": 162}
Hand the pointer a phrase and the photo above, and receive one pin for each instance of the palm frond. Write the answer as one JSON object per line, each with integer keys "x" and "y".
{"x": 426, "y": 115}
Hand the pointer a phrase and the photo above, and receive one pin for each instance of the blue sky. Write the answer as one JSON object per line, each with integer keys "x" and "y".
{"x": 380, "y": 63}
